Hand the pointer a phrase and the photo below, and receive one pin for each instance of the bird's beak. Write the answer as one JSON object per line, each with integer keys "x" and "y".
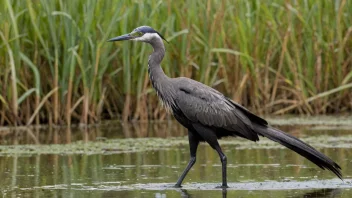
{"x": 121, "y": 38}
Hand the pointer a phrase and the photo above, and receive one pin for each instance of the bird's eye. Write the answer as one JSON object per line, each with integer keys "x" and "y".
{"x": 136, "y": 34}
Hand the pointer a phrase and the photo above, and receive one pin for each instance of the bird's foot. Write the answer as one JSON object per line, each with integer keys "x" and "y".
{"x": 223, "y": 186}
{"x": 177, "y": 186}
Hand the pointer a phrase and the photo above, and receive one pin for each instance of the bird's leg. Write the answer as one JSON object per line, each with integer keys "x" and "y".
{"x": 223, "y": 160}
{"x": 209, "y": 136}
{"x": 193, "y": 145}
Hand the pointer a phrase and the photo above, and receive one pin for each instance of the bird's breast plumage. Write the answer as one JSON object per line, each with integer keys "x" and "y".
{"x": 164, "y": 92}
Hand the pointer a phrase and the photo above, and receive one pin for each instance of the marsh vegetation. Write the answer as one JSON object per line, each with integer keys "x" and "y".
{"x": 274, "y": 57}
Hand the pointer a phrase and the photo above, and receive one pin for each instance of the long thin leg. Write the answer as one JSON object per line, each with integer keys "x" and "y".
{"x": 223, "y": 160}
{"x": 193, "y": 145}
{"x": 209, "y": 136}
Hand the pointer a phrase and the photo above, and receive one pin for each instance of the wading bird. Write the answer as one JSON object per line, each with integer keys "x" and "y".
{"x": 209, "y": 115}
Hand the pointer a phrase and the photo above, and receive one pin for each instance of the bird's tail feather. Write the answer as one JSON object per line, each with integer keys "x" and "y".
{"x": 299, "y": 147}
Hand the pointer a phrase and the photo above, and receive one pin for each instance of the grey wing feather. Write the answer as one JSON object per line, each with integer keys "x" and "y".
{"x": 203, "y": 104}
{"x": 208, "y": 109}
{"x": 249, "y": 114}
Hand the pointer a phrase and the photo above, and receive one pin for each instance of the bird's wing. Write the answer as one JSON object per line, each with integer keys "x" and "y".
{"x": 203, "y": 104}
{"x": 250, "y": 115}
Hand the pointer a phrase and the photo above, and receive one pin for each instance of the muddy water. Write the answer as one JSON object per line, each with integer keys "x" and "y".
{"x": 105, "y": 162}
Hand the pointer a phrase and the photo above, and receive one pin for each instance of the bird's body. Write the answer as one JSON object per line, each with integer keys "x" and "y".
{"x": 194, "y": 102}
{"x": 209, "y": 115}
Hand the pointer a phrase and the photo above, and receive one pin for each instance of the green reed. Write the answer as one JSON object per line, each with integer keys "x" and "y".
{"x": 271, "y": 56}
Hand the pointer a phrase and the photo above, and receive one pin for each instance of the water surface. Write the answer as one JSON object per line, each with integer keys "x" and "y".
{"x": 105, "y": 162}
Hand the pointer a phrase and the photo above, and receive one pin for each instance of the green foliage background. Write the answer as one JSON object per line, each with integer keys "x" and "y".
{"x": 272, "y": 56}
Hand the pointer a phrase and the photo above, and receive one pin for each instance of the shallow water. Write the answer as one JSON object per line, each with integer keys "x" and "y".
{"x": 107, "y": 167}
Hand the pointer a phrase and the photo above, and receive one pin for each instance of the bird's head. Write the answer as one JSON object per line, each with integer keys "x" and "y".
{"x": 143, "y": 33}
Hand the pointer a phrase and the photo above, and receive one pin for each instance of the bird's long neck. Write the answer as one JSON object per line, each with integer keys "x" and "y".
{"x": 161, "y": 83}
{"x": 156, "y": 73}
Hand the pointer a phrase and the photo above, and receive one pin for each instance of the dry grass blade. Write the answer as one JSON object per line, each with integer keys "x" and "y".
{"x": 321, "y": 95}
{"x": 36, "y": 111}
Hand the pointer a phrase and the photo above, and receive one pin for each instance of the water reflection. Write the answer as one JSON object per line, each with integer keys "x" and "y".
{"x": 319, "y": 193}
{"x": 184, "y": 193}
{"x": 111, "y": 130}
{"x": 66, "y": 135}
{"x": 110, "y": 174}
{"x": 327, "y": 193}
{"x": 63, "y": 175}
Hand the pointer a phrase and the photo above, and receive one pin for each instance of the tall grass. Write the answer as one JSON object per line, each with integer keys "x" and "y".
{"x": 272, "y": 56}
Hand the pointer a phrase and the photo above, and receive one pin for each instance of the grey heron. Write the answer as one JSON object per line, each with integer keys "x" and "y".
{"x": 209, "y": 115}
